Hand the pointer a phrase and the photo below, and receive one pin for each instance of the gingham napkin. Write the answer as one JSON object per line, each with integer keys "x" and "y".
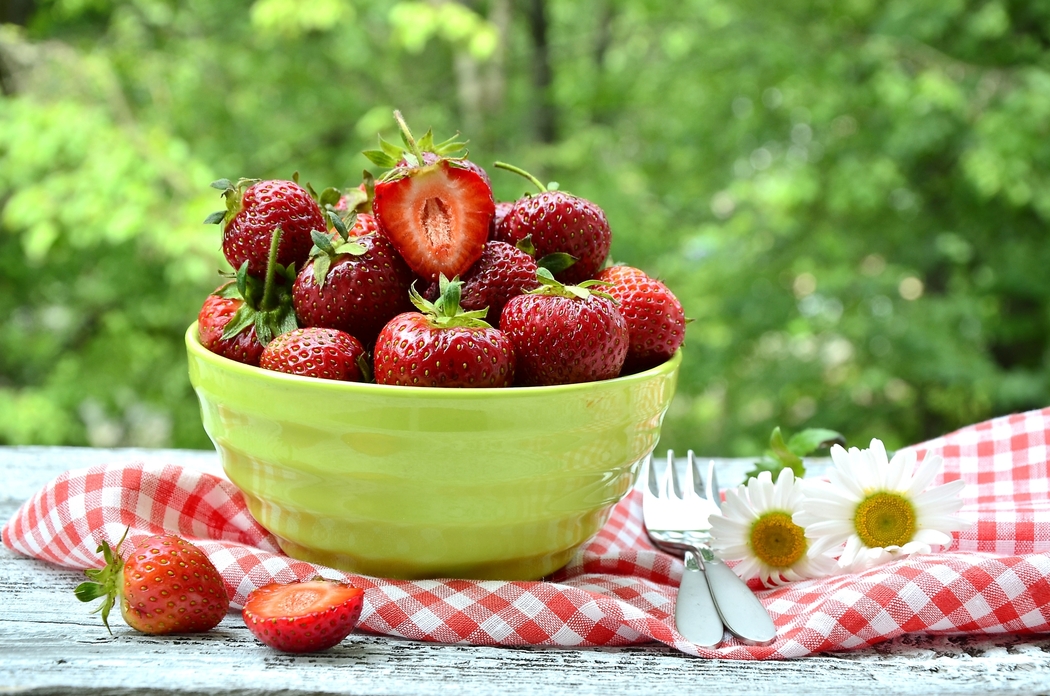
{"x": 618, "y": 589}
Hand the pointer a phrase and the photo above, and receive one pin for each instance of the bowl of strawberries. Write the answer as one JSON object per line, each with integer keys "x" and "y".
{"x": 409, "y": 380}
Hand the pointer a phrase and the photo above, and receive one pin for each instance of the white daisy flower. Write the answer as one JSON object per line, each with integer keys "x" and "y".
{"x": 878, "y": 509}
{"x": 756, "y": 528}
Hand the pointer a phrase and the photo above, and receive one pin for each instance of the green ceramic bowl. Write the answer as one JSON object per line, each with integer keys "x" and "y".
{"x": 415, "y": 482}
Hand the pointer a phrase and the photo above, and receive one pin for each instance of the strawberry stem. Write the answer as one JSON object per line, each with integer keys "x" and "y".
{"x": 407, "y": 134}
{"x": 269, "y": 288}
{"x": 522, "y": 172}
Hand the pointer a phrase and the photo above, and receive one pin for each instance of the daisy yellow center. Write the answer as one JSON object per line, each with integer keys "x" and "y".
{"x": 885, "y": 519}
{"x": 777, "y": 541}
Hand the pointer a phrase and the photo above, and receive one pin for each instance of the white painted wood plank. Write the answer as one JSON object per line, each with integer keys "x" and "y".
{"x": 50, "y": 644}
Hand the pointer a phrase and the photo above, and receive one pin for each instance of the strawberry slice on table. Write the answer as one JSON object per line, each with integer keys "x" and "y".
{"x": 317, "y": 352}
{"x": 301, "y": 617}
{"x": 565, "y": 334}
{"x": 166, "y": 585}
{"x": 443, "y": 346}
{"x": 435, "y": 209}
{"x": 655, "y": 318}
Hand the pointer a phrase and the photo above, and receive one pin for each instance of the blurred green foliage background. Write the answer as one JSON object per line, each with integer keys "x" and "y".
{"x": 850, "y": 197}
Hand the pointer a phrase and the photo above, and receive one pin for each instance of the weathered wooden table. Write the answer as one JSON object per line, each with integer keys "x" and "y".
{"x": 50, "y": 644}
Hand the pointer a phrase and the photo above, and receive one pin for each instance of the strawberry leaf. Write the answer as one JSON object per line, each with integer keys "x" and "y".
{"x": 812, "y": 439}
{"x": 322, "y": 241}
{"x": 241, "y": 320}
{"x": 222, "y": 184}
{"x": 322, "y": 264}
{"x": 556, "y": 262}
{"x": 330, "y": 196}
{"x": 215, "y": 218}
{"x": 380, "y": 158}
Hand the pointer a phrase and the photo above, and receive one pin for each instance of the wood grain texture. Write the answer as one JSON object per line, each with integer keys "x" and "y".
{"x": 51, "y": 644}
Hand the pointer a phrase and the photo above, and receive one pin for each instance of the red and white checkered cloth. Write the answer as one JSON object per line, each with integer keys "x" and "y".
{"x": 618, "y": 589}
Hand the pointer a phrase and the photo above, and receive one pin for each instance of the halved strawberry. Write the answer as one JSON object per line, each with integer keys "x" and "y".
{"x": 435, "y": 210}
{"x": 302, "y": 617}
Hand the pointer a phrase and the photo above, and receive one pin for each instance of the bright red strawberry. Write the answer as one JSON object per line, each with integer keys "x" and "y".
{"x": 254, "y": 209}
{"x": 560, "y": 222}
{"x": 166, "y": 585}
{"x": 302, "y": 617}
{"x": 502, "y": 272}
{"x": 215, "y": 315}
{"x": 443, "y": 346}
{"x": 565, "y": 334}
{"x": 317, "y": 352}
{"x": 655, "y": 318}
{"x": 436, "y": 214}
{"x": 355, "y": 285}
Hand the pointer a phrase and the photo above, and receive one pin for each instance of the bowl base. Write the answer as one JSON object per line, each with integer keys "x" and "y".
{"x": 529, "y": 568}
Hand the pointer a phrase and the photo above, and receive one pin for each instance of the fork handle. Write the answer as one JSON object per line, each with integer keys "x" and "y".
{"x": 695, "y": 615}
{"x": 741, "y": 612}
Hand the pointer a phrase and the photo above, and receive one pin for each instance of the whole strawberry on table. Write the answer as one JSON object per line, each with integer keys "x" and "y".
{"x": 331, "y": 280}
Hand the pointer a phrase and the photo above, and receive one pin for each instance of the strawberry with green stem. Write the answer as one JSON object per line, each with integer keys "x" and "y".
{"x": 254, "y": 209}
{"x": 559, "y": 222}
{"x": 436, "y": 209}
{"x": 166, "y": 585}
{"x": 241, "y": 317}
{"x": 564, "y": 334}
{"x": 353, "y": 284}
{"x": 442, "y": 345}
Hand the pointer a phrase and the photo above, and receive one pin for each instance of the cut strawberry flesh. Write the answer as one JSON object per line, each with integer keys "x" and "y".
{"x": 437, "y": 216}
{"x": 300, "y": 599}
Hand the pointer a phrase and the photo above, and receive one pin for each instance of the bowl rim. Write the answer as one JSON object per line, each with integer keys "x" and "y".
{"x": 194, "y": 347}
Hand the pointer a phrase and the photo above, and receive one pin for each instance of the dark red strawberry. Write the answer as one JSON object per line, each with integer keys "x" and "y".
{"x": 499, "y": 231}
{"x": 302, "y": 617}
{"x": 443, "y": 346}
{"x": 565, "y": 334}
{"x": 215, "y": 315}
{"x": 355, "y": 285}
{"x": 436, "y": 214}
{"x": 560, "y": 222}
{"x": 655, "y": 318}
{"x": 166, "y": 585}
{"x": 317, "y": 352}
{"x": 254, "y": 209}
{"x": 502, "y": 272}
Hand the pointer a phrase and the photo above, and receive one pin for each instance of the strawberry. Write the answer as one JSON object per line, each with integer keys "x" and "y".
{"x": 565, "y": 334}
{"x": 560, "y": 222}
{"x": 499, "y": 231}
{"x": 302, "y": 617}
{"x": 167, "y": 585}
{"x": 443, "y": 346}
{"x": 317, "y": 352}
{"x": 355, "y": 285}
{"x": 435, "y": 210}
{"x": 502, "y": 272}
{"x": 254, "y": 209}
{"x": 244, "y": 347}
{"x": 655, "y": 318}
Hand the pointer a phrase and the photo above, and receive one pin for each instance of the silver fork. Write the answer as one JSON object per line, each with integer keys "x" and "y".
{"x": 711, "y": 595}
